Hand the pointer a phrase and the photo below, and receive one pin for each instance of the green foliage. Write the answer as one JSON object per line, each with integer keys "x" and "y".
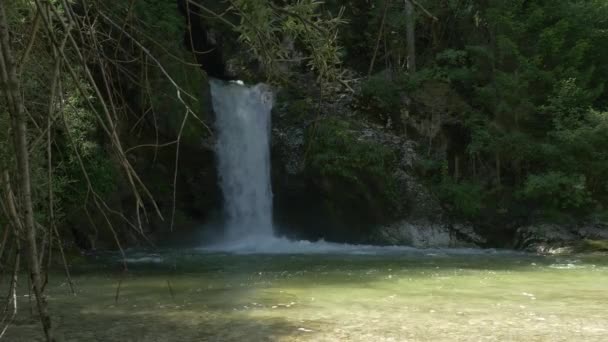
{"x": 452, "y": 66}
{"x": 582, "y": 149}
{"x": 570, "y": 104}
{"x": 535, "y": 83}
{"x": 451, "y": 57}
{"x": 81, "y": 147}
{"x": 159, "y": 20}
{"x": 381, "y": 94}
{"x": 161, "y": 27}
{"x": 300, "y": 109}
{"x": 270, "y": 32}
{"x": 337, "y": 152}
{"x": 381, "y": 97}
{"x": 463, "y": 199}
{"x": 66, "y": 178}
{"x": 168, "y": 76}
{"x": 532, "y": 74}
{"x": 354, "y": 173}
{"x": 557, "y": 190}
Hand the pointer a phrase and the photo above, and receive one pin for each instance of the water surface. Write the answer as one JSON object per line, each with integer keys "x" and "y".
{"x": 358, "y": 295}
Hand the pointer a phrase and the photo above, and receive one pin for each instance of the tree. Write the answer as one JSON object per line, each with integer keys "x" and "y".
{"x": 24, "y": 222}
{"x": 410, "y": 24}
{"x": 410, "y": 28}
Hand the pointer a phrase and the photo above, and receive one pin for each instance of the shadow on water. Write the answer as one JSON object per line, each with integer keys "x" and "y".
{"x": 130, "y": 327}
{"x": 149, "y": 308}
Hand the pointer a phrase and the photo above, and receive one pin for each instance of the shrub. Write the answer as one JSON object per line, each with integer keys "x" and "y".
{"x": 464, "y": 199}
{"x": 557, "y": 190}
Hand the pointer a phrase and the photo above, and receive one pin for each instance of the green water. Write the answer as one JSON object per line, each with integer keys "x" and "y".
{"x": 397, "y": 296}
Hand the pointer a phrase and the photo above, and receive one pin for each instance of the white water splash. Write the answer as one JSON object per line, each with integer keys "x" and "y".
{"x": 243, "y": 151}
{"x": 281, "y": 245}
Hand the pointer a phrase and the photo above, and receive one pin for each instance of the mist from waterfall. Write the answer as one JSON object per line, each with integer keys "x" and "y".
{"x": 243, "y": 152}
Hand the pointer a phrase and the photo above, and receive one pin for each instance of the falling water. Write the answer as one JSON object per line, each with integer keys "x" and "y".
{"x": 243, "y": 152}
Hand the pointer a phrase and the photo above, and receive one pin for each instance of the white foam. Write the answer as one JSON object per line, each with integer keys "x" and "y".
{"x": 144, "y": 260}
{"x": 281, "y": 245}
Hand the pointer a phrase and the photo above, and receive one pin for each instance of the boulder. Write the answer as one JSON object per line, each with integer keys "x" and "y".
{"x": 467, "y": 233}
{"x": 556, "y": 239}
{"x": 593, "y": 231}
{"x": 544, "y": 237}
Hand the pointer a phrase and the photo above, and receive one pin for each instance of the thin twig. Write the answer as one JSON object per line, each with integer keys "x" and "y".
{"x": 179, "y": 139}
{"x": 380, "y": 30}
{"x": 424, "y": 10}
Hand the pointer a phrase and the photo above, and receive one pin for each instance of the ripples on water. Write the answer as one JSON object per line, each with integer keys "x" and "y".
{"x": 329, "y": 292}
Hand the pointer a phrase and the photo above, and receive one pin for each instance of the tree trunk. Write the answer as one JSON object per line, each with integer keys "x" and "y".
{"x": 380, "y": 30}
{"x": 498, "y": 176}
{"x": 456, "y": 167}
{"x": 474, "y": 159}
{"x": 410, "y": 28}
{"x": 19, "y": 129}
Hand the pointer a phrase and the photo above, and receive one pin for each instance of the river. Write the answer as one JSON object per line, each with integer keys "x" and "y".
{"x": 361, "y": 294}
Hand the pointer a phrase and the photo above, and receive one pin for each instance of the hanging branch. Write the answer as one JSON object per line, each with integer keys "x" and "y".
{"x": 380, "y": 30}
{"x": 428, "y": 14}
{"x": 5, "y": 237}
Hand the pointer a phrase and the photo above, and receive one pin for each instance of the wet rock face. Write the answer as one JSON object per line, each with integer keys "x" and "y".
{"x": 417, "y": 234}
{"x": 289, "y": 145}
{"x": 426, "y": 234}
{"x": 417, "y": 218}
{"x": 555, "y": 238}
{"x": 596, "y": 231}
{"x": 417, "y": 200}
{"x": 539, "y": 236}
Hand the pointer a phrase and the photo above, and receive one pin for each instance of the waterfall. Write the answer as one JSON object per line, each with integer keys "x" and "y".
{"x": 243, "y": 152}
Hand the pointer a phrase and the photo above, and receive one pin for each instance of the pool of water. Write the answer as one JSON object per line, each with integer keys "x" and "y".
{"x": 355, "y": 295}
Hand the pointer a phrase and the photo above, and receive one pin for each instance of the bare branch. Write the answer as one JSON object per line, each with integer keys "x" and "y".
{"x": 428, "y": 14}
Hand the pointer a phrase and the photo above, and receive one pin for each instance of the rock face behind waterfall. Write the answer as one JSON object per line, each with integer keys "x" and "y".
{"x": 354, "y": 200}
{"x": 349, "y": 165}
{"x": 425, "y": 234}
